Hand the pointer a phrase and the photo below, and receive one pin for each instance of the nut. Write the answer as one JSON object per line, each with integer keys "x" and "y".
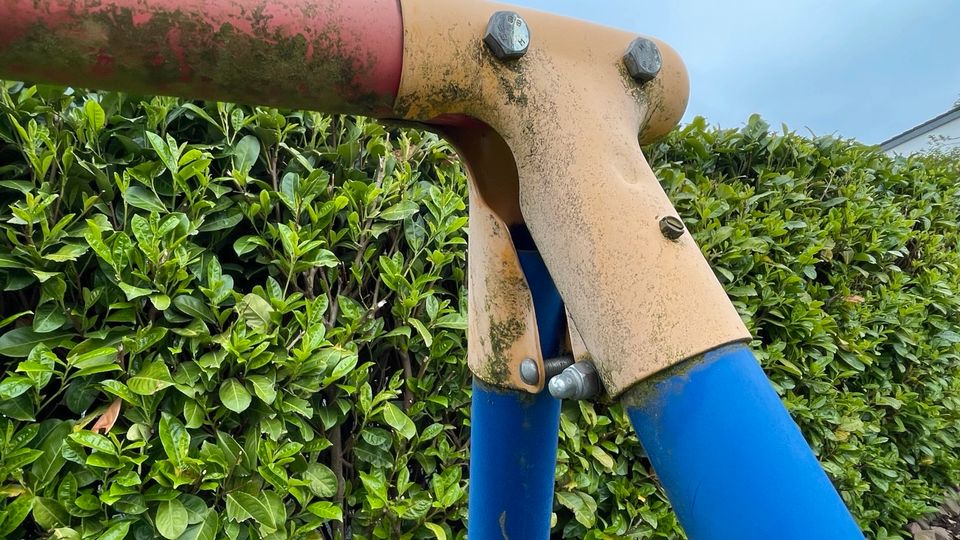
{"x": 579, "y": 381}
{"x": 508, "y": 35}
{"x": 643, "y": 60}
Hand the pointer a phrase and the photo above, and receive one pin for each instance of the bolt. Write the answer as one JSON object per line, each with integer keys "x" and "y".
{"x": 579, "y": 381}
{"x": 508, "y": 35}
{"x": 643, "y": 60}
{"x": 671, "y": 227}
{"x": 529, "y": 371}
{"x": 555, "y": 366}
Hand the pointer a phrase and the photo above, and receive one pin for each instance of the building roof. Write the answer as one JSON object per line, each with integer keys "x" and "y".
{"x": 921, "y": 130}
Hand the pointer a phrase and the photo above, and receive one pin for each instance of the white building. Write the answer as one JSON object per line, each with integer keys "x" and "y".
{"x": 942, "y": 132}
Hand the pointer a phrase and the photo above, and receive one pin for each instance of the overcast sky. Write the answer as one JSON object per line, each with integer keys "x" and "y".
{"x": 867, "y": 69}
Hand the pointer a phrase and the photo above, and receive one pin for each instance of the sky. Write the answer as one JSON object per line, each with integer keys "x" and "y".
{"x": 866, "y": 69}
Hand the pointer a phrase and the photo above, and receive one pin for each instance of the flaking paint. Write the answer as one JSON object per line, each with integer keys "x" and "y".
{"x": 332, "y": 55}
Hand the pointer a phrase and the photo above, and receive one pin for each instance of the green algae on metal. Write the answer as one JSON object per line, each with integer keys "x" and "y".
{"x": 181, "y": 53}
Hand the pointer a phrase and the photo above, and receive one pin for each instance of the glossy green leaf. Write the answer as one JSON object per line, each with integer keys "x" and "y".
{"x": 234, "y": 396}
{"x": 49, "y": 317}
{"x": 20, "y": 341}
{"x": 144, "y": 199}
{"x": 14, "y": 514}
{"x": 12, "y": 386}
{"x": 93, "y": 440}
{"x": 437, "y": 531}
{"x": 205, "y": 530}
{"x": 245, "y": 506}
{"x": 323, "y": 483}
{"x": 152, "y": 377}
{"x": 49, "y": 513}
{"x": 326, "y": 511}
{"x": 246, "y": 154}
{"x": 264, "y": 387}
{"x": 400, "y": 211}
{"x": 175, "y": 439}
{"x": 117, "y": 531}
{"x": 171, "y": 519}
{"x": 256, "y": 312}
{"x": 399, "y": 421}
{"x": 133, "y": 293}
{"x": 583, "y": 506}
{"x": 193, "y": 307}
{"x": 67, "y": 252}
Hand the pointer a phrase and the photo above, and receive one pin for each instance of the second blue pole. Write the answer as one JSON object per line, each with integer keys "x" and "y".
{"x": 729, "y": 456}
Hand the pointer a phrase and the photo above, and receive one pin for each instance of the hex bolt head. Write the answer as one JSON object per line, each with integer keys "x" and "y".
{"x": 508, "y": 35}
{"x": 529, "y": 371}
{"x": 579, "y": 381}
{"x": 671, "y": 227}
{"x": 643, "y": 60}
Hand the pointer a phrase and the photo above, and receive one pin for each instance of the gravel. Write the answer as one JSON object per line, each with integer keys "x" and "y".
{"x": 944, "y": 525}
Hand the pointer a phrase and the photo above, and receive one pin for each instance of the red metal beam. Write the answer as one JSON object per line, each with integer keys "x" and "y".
{"x": 331, "y": 55}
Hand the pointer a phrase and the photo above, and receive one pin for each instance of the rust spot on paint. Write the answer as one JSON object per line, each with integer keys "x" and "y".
{"x": 103, "y": 65}
{"x": 173, "y": 40}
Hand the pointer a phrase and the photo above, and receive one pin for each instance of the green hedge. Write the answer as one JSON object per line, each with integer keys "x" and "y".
{"x": 232, "y": 322}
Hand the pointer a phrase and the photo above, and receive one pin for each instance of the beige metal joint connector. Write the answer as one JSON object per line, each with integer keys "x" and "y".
{"x": 550, "y": 128}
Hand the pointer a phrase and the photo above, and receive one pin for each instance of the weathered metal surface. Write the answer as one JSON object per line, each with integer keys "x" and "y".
{"x": 502, "y": 329}
{"x": 553, "y": 143}
{"x": 568, "y": 164}
{"x": 578, "y": 349}
{"x": 332, "y": 55}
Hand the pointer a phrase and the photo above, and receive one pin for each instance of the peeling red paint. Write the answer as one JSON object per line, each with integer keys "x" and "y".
{"x": 173, "y": 39}
{"x": 141, "y": 18}
{"x": 351, "y": 50}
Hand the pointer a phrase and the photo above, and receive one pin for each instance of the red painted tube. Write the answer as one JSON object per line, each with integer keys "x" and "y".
{"x": 331, "y": 55}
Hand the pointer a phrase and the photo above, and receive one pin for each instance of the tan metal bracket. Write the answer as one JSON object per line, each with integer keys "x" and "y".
{"x": 552, "y": 140}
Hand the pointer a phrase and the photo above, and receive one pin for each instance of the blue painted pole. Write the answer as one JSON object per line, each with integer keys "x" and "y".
{"x": 513, "y": 437}
{"x": 729, "y": 456}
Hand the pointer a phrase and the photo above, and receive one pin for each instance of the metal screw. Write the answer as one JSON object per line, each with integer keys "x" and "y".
{"x": 643, "y": 60}
{"x": 508, "y": 35}
{"x": 530, "y": 372}
{"x": 671, "y": 227}
{"x": 579, "y": 381}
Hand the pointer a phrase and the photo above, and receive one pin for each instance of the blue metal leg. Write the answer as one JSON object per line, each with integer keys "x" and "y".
{"x": 732, "y": 461}
{"x": 513, "y": 437}
{"x": 513, "y": 458}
